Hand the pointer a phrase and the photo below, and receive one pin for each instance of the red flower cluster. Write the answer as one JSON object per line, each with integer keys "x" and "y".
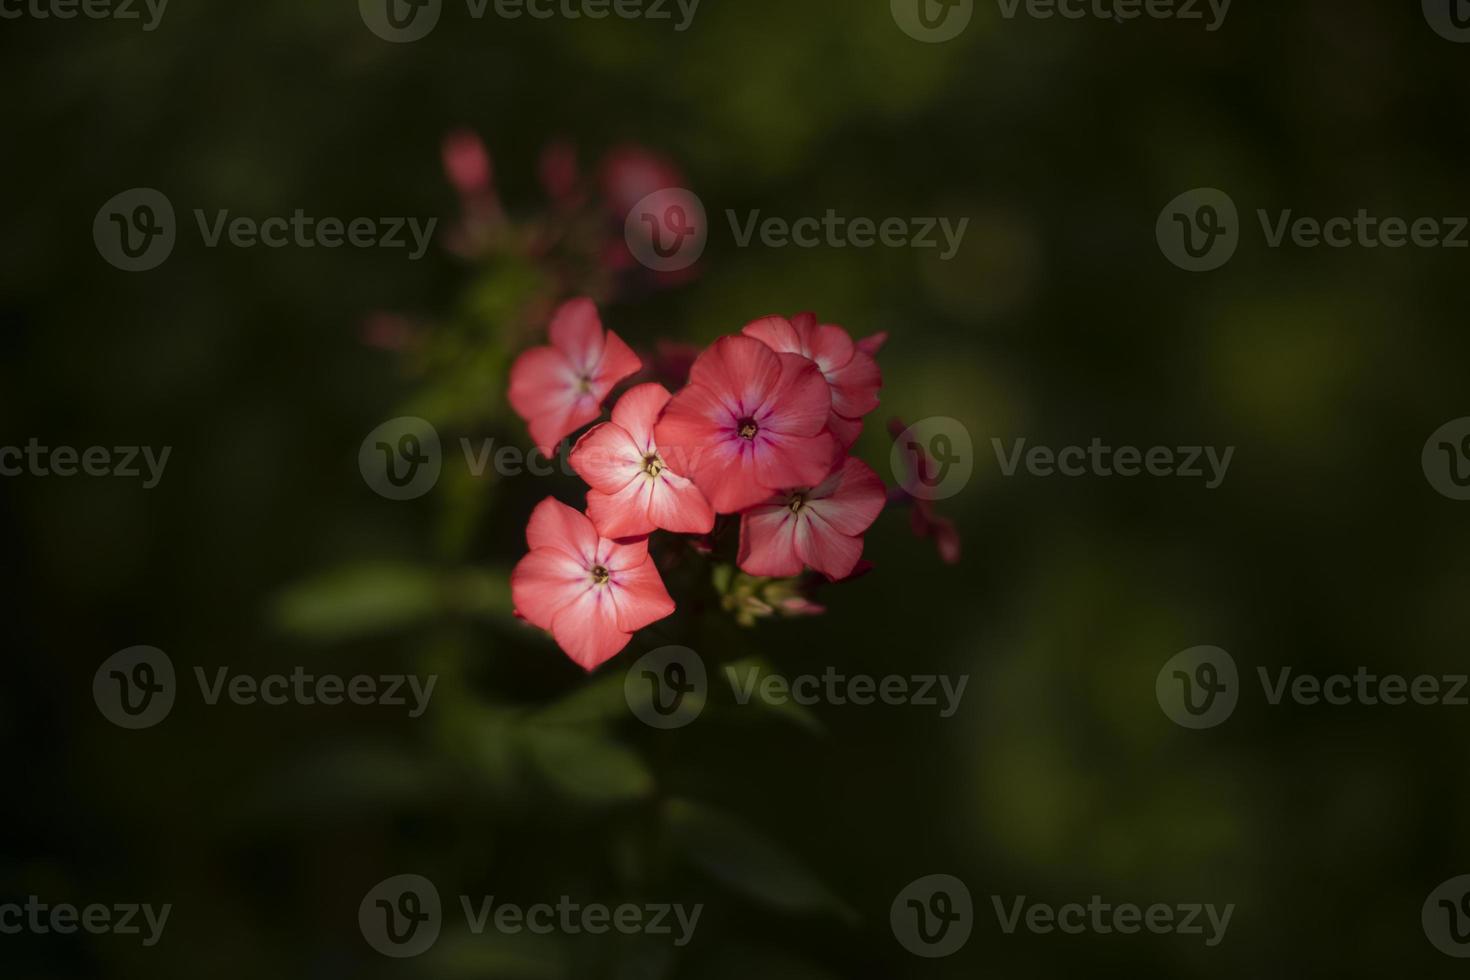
{"x": 761, "y": 430}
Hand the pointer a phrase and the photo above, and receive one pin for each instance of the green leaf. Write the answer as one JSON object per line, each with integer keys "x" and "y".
{"x": 358, "y": 600}
{"x": 599, "y": 700}
{"x": 798, "y": 714}
{"x": 725, "y": 848}
{"x": 587, "y": 765}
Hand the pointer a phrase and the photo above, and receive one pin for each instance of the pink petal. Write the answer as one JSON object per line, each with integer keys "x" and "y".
{"x": 800, "y": 403}
{"x": 776, "y": 332}
{"x": 576, "y": 331}
{"x": 851, "y": 499}
{"x": 855, "y": 386}
{"x": 637, "y": 411}
{"x": 618, "y": 362}
{"x": 555, "y": 525}
{"x": 546, "y": 392}
{"x": 640, "y": 597}
{"x": 544, "y": 581}
{"x": 618, "y": 555}
{"x": 726, "y": 475}
{"x": 623, "y": 514}
{"x": 741, "y": 373}
{"x": 587, "y": 628}
{"x": 783, "y": 461}
{"x": 678, "y": 506}
{"x": 846, "y": 430}
{"x": 826, "y": 549}
{"x": 607, "y": 458}
{"x": 768, "y": 542}
{"x": 830, "y": 347}
{"x": 694, "y": 424}
{"x": 872, "y": 344}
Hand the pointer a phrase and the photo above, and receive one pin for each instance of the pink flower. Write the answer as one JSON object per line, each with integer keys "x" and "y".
{"x": 630, "y": 173}
{"x": 558, "y": 171}
{"x": 593, "y": 594}
{"x": 821, "y": 526}
{"x": 849, "y": 368}
{"x": 749, "y": 422}
{"x": 467, "y": 163}
{"x": 560, "y": 388}
{"x": 633, "y": 490}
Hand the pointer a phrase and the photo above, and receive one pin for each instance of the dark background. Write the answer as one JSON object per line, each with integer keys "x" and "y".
{"x": 263, "y": 549}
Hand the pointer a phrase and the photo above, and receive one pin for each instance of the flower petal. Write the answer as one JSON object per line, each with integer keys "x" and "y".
{"x": 800, "y": 403}
{"x": 824, "y": 548}
{"x": 618, "y": 362}
{"x": 544, "y": 581}
{"x": 677, "y": 505}
{"x": 587, "y": 628}
{"x": 855, "y": 386}
{"x": 851, "y": 499}
{"x": 640, "y": 597}
{"x": 768, "y": 542}
{"x": 784, "y": 462}
{"x": 623, "y": 514}
{"x": 607, "y": 458}
{"x": 555, "y": 525}
{"x": 741, "y": 372}
{"x": 638, "y": 410}
{"x": 576, "y": 331}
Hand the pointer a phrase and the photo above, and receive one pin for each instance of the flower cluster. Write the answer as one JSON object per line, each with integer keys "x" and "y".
{"x": 761, "y": 429}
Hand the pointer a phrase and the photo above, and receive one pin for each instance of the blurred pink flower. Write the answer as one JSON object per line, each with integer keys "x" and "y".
{"x": 467, "y": 163}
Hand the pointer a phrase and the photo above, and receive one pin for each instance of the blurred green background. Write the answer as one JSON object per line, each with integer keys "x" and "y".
{"x": 1059, "y": 320}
